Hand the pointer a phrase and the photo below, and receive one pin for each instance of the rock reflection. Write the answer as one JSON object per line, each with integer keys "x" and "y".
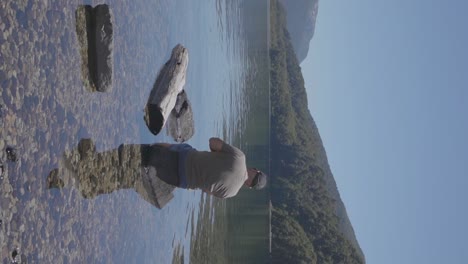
{"x": 169, "y": 83}
{"x": 126, "y": 167}
{"x": 95, "y": 36}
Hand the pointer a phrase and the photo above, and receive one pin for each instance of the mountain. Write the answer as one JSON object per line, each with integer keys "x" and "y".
{"x": 309, "y": 219}
{"x": 301, "y": 16}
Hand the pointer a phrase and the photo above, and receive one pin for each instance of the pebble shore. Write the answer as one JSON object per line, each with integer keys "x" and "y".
{"x": 46, "y": 108}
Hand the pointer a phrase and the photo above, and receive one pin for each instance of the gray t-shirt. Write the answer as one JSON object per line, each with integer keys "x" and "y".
{"x": 222, "y": 173}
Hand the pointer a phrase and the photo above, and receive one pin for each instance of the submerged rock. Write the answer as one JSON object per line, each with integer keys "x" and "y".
{"x": 1, "y": 111}
{"x": 54, "y": 181}
{"x": 11, "y": 154}
{"x": 86, "y": 148}
{"x": 180, "y": 124}
{"x": 15, "y": 257}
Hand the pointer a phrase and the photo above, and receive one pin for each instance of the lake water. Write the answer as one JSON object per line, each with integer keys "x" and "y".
{"x": 46, "y": 109}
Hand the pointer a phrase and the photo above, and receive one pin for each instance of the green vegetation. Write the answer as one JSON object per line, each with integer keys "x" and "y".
{"x": 305, "y": 226}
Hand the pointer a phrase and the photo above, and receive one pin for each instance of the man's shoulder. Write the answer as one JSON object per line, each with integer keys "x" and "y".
{"x": 234, "y": 150}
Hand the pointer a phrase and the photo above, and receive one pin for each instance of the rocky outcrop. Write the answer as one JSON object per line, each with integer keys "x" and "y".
{"x": 95, "y": 35}
{"x": 180, "y": 124}
{"x": 301, "y": 16}
{"x": 103, "y": 36}
{"x": 169, "y": 83}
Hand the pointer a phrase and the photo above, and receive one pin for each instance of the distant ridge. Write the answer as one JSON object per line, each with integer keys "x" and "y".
{"x": 309, "y": 219}
{"x": 301, "y": 24}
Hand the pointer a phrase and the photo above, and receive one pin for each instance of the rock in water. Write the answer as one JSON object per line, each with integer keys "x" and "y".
{"x": 2, "y": 169}
{"x": 103, "y": 33}
{"x": 180, "y": 124}
{"x": 95, "y": 36}
{"x": 83, "y": 23}
{"x": 86, "y": 148}
{"x": 1, "y": 115}
{"x": 11, "y": 154}
{"x": 169, "y": 83}
{"x": 54, "y": 181}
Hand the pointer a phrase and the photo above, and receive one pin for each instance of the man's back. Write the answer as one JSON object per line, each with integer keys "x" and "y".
{"x": 221, "y": 173}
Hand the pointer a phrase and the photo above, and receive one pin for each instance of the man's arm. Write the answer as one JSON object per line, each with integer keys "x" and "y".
{"x": 216, "y": 144}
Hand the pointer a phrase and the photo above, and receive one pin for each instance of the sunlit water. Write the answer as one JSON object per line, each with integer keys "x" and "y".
{"x": 46, "y": 109}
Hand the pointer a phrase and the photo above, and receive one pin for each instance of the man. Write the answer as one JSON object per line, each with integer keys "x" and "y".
{"x": 220, "y": 172}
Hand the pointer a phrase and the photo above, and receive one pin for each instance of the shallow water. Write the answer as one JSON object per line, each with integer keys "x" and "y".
{"x": 47, "y": 107}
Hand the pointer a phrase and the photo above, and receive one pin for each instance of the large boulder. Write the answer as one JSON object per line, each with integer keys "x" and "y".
{"x": 169, "y": 83}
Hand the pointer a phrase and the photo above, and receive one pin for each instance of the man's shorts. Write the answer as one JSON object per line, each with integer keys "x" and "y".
{"x": 183, "y": 150}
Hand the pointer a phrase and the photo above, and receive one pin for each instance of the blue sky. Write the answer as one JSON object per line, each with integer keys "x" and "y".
{"x": 387, "y": 84}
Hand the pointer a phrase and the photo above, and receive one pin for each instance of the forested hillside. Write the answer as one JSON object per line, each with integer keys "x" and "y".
{"x": 309, "y": 222}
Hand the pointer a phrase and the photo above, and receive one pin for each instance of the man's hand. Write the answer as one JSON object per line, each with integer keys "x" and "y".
{"x": 216, "y": 144}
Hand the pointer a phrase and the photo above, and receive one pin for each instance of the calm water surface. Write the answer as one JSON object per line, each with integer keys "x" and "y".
{"x": 46, "y": 109}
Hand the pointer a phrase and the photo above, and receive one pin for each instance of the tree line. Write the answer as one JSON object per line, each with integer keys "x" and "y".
{"x": 305, "y": 228}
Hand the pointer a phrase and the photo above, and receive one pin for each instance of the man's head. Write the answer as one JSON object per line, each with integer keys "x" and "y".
{"x": 256, "y": 179}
